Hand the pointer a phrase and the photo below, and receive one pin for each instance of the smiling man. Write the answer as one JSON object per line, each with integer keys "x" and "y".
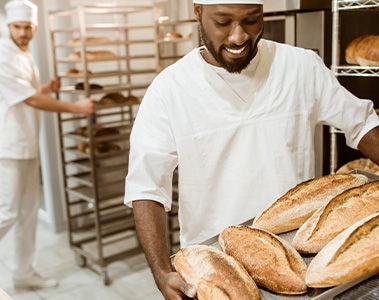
{"x": 237, "y": 116}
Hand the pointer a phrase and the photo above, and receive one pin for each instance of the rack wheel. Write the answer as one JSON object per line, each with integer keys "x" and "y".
{"x": 80, "y": 260}
{"x": 105, "y": 277}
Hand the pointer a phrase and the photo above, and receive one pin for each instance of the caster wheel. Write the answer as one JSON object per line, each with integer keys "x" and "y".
{"x": 80, "y": 260}
{"x": 105, "y": 277}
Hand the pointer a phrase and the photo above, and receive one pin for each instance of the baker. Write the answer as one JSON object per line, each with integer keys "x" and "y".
{"x": 21, "y": 99}
{"x": 237, "y": 116}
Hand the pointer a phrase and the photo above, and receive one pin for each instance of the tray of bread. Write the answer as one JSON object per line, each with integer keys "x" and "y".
{"x": 317, "y": 241}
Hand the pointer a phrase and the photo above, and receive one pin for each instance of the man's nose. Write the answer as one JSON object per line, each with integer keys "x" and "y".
{"x": 238, "y": 35}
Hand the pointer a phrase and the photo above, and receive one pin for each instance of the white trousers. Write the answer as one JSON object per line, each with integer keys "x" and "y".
{"x": 19, "y": 203}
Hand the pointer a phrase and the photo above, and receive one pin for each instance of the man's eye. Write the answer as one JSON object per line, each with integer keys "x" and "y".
{"x": 222, "y": 23}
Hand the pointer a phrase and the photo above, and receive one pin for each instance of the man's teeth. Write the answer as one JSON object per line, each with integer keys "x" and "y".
{"x": 236, "y": 51}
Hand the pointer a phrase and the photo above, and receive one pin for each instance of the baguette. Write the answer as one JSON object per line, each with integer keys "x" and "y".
{"x": 341, "y": 212}
{"x": 292, "y": 209}
{"x": 216, "y": 275}
{"x": 271, "y": 261}
{"x": 351, "y": 254}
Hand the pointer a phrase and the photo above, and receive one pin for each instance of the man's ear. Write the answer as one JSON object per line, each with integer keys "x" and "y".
{"x": 197, "y": 11}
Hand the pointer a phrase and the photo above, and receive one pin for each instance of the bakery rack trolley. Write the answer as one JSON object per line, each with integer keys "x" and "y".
{"x": 94, "y": 149}
{"x": 346, "y": 70}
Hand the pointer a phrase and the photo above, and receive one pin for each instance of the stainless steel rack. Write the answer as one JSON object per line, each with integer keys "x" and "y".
{"x": 101, "y": 228}
{"x": 346, "y": 70}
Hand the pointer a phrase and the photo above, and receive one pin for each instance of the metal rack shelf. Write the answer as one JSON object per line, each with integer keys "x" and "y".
{"x": 346, "y": 70}
{"x": 100, "y": 226}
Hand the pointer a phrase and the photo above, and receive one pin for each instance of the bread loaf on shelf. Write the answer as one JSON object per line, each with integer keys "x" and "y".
{"x": 101, "y": 54}
{"x": 292, "y": 209}
{"x": 89, "y": 39}
{"x": 351, "y": 254}
{"x": 216, "y": 275}
{"x": 364, "y": 164}
{"x": 271, "y": 261}
{"x": 363, "y": 51}
{"x": 341, "y": 212}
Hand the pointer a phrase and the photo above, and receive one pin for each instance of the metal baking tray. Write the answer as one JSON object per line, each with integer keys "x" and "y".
{"x": 370, "y": 176}
{"x": 366, "y": 285}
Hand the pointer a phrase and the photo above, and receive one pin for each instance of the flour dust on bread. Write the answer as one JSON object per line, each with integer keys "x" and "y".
{"x": 216, "y": 275}
{"x": 338, "y": 214}
{"x": 292, "y": 209}
{"x": 271, "y": 261}
{"x": 350, "y": 255}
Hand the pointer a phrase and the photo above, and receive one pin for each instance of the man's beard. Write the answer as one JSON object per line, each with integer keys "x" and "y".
{"x": 21, "y": 42}
{"x": 235, "y": 66}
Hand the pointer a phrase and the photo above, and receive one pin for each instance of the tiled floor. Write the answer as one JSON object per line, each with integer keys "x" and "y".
{"x": 131, "y": 278}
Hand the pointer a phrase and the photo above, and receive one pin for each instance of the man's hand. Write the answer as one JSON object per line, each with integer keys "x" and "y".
{"x": 52, "y": 86}
{"x": 173, "y": 287}
{"x": 85, "y": 106}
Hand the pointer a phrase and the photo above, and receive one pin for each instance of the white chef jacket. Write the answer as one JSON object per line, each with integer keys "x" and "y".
{"x": 19, "y": 123}
{"x": 236, "y": 155}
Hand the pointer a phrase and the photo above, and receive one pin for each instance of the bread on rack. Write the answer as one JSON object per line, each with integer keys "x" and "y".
{"x": 216, "y": 275}
{"x": 92, "y": 86}
{"x": 91, "y": 55}
{"x": 292, "y": 209}
{"x": 131, "y": 99}
{"x": 351, "y": 254}
{"x": 172, "y": 35}
{"x": 99, "y": 148}
{"x": 96, "y": 131}
{"x": 341, "y": 212}
{"x": 271, "y": 261}
{"x": 364, "y": 164}
{"x": 89, "y": 39}
{"x": 112, "y": 98}
{"x": 74, "y": 71}
{"x": 363, "y": 51}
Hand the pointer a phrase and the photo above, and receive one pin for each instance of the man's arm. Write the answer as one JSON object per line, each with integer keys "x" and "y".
{"x": 369, "y": 144}
{"x": 47, "y": 103}
{"x": 151, "y": 219}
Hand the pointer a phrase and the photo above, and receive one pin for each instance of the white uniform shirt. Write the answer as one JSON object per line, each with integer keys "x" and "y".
{"x": 19, "y": 123}
{"x": 236, "y": 155}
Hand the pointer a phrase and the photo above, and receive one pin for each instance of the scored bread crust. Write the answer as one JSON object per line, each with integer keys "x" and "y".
{"x": 271, "y": 261}
{"x": 351, "y": 254}
{"x": 340, "y": 213}
{"x": 215, "y": 274}
{"x": 292, "y": 209}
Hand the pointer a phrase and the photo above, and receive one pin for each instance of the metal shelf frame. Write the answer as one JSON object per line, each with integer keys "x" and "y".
{"x": 339, "y": 70}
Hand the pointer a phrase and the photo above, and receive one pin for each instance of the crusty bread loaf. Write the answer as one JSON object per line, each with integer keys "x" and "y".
{"x": 350, "y": 51}
{"x": 341, "y": 212}
{"x": 216, "y": 275}
{"x": 351, "y": 254}
{"x": 292, "y": 209}
{"x": 364, "y": 164}
{"x": 363, "y": 50}
{"x": 89, "y": 39}
{"x": 271, "y": 261}
{"x": 101, "y": 54}
{"x": 173, "y": 35}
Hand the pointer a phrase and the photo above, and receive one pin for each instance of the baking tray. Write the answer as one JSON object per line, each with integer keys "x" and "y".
{"x": 365, "y": 287}
{"x": 370, "y": 176}
{"x": 369, "y": 289}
